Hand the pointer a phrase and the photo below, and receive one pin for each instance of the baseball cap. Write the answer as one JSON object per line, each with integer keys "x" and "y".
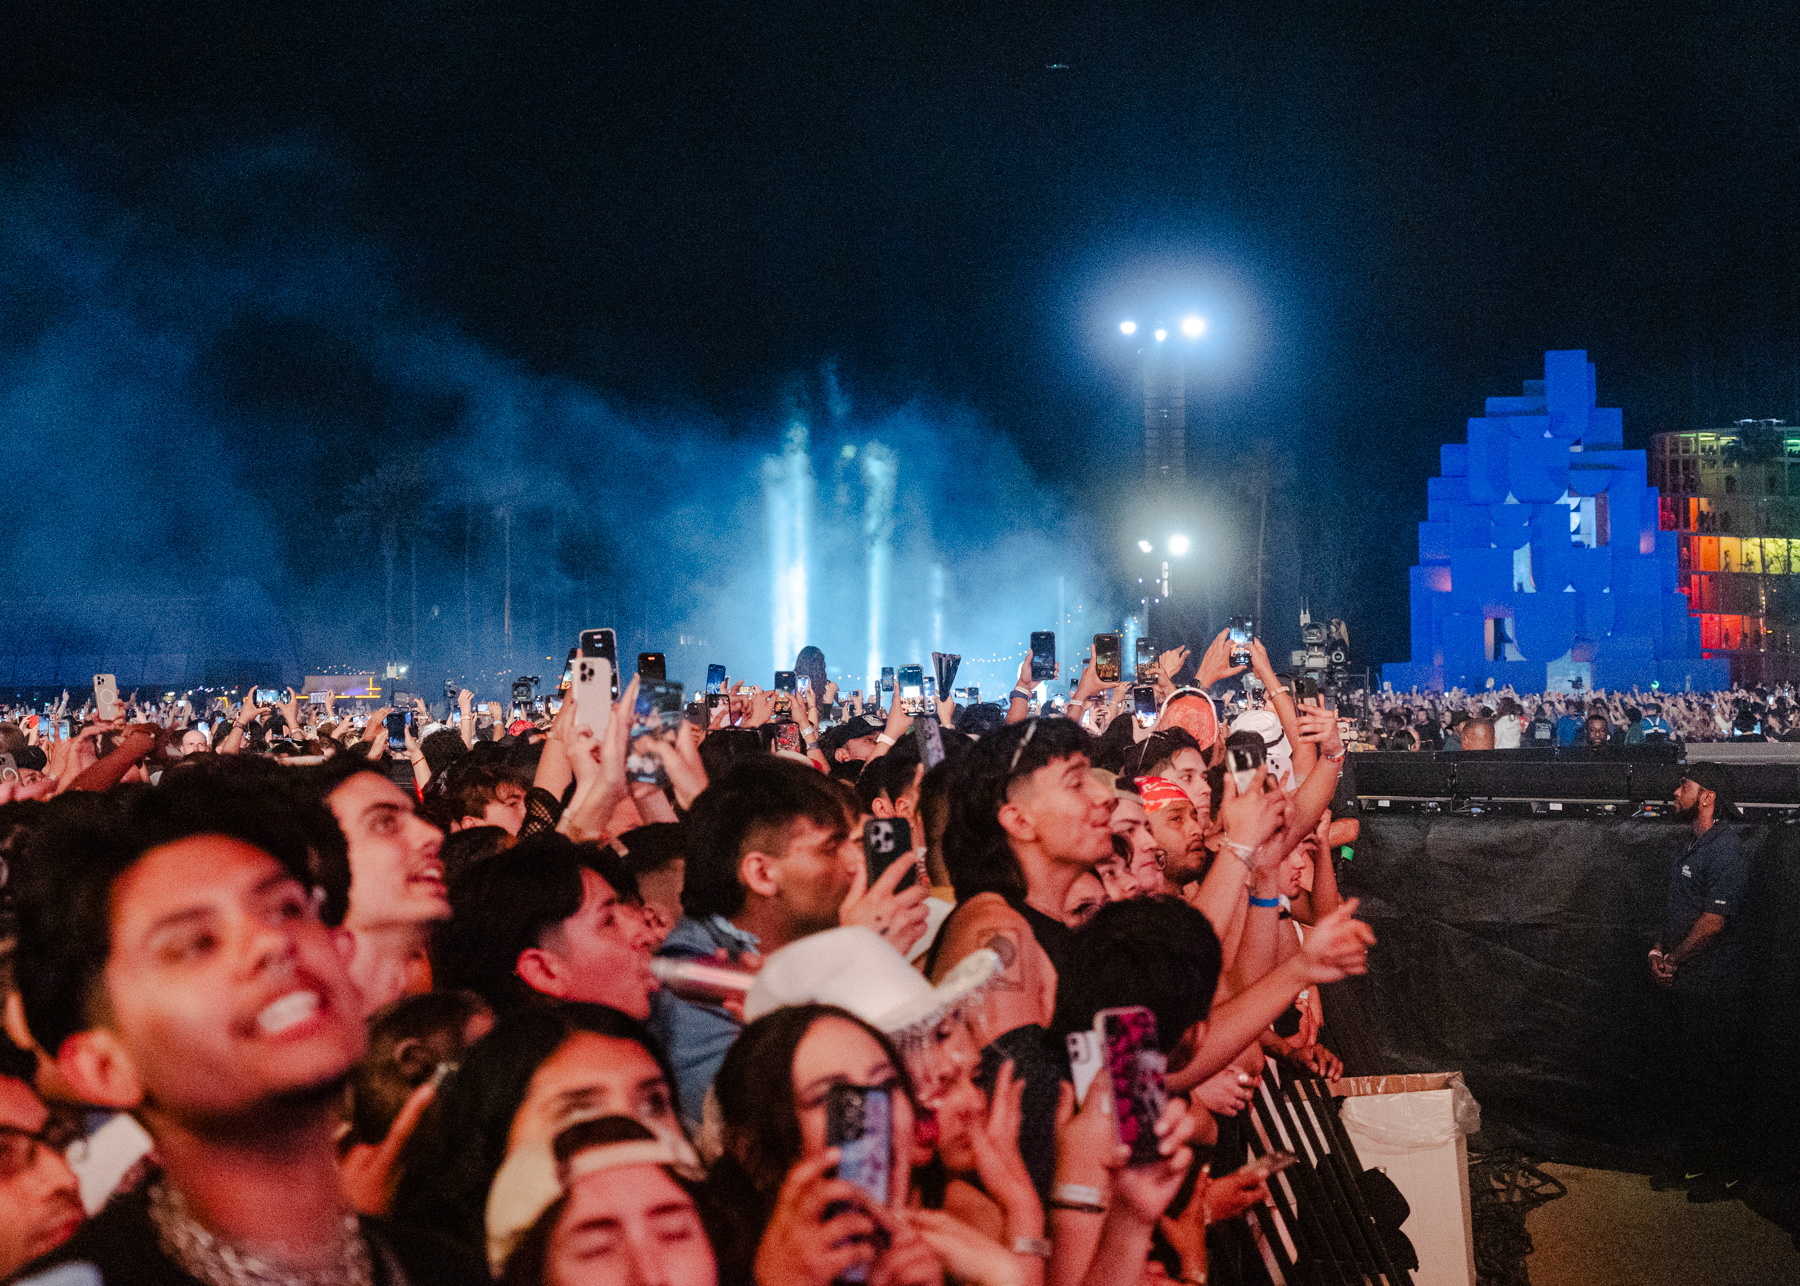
{"x": 1717, "y": 779}
{"x": 854, "y": 728}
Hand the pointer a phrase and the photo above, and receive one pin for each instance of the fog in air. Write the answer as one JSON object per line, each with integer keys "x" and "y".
{"x": 213, "y": 380}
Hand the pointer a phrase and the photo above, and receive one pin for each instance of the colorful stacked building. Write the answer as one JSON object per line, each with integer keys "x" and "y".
{"x": 1542, "y": 560}
{"x": 1731, "y": 498}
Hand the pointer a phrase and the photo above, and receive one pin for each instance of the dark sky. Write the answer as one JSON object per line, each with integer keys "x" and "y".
{"x": 1391, "y": 211}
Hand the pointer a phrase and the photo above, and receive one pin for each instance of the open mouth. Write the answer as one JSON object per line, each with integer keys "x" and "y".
{"x": 431, "y": 877}
{"x": 288, "y": 1012}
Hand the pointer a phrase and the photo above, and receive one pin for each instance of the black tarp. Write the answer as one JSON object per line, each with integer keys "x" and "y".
{"x": 1513, "y": 950}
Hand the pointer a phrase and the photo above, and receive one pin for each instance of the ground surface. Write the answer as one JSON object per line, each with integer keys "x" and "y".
{"x": 1612, "y": 1230}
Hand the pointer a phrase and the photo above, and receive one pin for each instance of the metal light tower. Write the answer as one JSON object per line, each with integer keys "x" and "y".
{"x": 1165, "y": 399}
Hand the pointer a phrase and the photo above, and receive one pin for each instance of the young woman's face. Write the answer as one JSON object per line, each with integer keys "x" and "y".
{"x": 630, "y": 1226}
{"x": 592, "y": 1075}
{"x": 837, "y": 1052}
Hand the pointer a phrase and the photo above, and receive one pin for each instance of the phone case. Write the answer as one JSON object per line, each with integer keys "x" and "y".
{"x": 1084, "y": 1061}
{"x": 1136, "y": 1064}
{"x": 859, "y": 1123}
{"x": 593, "y": 687}
{"x": 886, "y": 840}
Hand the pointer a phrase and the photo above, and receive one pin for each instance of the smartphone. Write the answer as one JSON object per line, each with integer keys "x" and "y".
{"x": 1268, "y": 1165}
{"x": 1107, "y": 665}
{"x": 887, "y": 840}
{"x": 1242, "y": 629}
{"x": 930, "y": 737}
{"x": 784, "y": 681}
{"x": 596, "y": 679}
{"x": 1136, "y": 1063}
{"x": 1084, "y": 1061}
{"x": 9, "y": 769}
{"x": 1244, "y": 765}
{"x": 974, "y": 696}
{"x": 653, "y": 667}
{"x": 859, "y": 1123}
{"x": 912, "y": 688}
{"x": 396, "y": 729}
{"x": 1143, "y": 704}
{"x": 658, "y": 706}
{"x": 887, "y": 678}
{"x": 1043, "y": 655}
{"x": 1306, "y": 688}
{"x": 1144, "y": 658}
{"x": 268, "y": 697}
{"x": 715, "y": 680}
{"x": 564, "y": 684}
{"x": 945, "y": 664}
{"x": 106, "y": 696}
{"x": 787, "y": 737}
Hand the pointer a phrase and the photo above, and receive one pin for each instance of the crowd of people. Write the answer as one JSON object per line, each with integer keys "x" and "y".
{"x": 1502, "y": 719}
{"x": 779, "y": 991}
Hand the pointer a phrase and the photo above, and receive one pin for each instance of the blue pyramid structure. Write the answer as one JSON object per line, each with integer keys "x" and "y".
{"x": 1540, "y": 559}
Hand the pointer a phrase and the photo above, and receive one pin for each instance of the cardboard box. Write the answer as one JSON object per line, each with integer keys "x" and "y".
{"x": 1414, "y": 1129}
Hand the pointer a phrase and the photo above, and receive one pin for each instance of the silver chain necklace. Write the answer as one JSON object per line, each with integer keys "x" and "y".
{"x": 219, "y": 1263}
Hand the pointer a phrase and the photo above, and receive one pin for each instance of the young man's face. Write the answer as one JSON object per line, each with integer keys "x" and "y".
{"x": 1130, "y": 821}
{"x": 224, "y": 992}
{"x": 1177, "y": 830}
{"x": 40, "y": 1202}
{"x": 1065, "y": 811}
{"x": 505, "y": 810}
{"x": 856, "y": 748}
{"x": 395, "y": 874}
{"x": 1187, "y": 769}
{"x": 603, "y": 950}
{"x": 812, "y": 874}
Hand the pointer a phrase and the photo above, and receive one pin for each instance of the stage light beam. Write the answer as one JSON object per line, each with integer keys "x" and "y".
{"x": 1193, "y": 326}
{"x": 1161, "y": 335}
{"x": 1178, "y": 545}
{"x": 1144, "y": 546}
{"x": 1128, "y": 328}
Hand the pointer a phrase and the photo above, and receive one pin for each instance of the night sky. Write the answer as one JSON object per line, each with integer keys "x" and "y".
{"x": 1389, "y": 212}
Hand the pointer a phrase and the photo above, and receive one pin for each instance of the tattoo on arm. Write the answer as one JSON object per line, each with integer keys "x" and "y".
{"x": 1006, "y": 946}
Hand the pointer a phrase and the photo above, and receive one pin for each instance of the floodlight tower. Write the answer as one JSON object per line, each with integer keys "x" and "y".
{"x": 1165, "y": 397}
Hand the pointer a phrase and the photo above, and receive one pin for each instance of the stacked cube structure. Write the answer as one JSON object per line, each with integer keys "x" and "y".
{"x": 1540, "y": 560}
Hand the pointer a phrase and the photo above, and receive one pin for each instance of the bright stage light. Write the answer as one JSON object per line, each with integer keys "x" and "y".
{"x": 1193, "y": 326}
{"x": 1161, "y": 335}
{"x": 1128, "y": 328}
{"x": 1178, "y": 545}
{"x": 1144, "y": 545}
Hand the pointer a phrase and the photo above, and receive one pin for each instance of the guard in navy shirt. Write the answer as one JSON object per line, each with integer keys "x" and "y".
{"x": 1701, "y": 958}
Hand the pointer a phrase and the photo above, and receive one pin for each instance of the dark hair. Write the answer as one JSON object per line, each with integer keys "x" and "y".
{"x": 468, "y": 786}
{"x": 15, "y": 1063}
{"x": 755, "y": 1092}
{"x": 1158, "y": 952}
{"x": 982, "y": 719}
{"x": 449, "y": 1163}
{"x": 81, "y": 846}
{"x": 723, "y": 747}
{"x": 890, "y": 774}
{"x": 1159, "y": 747}
{"x": 405, "y": 1041}
{"x": 441, "y": 749}
{"x": 975, "y": 847}
{"x": 753, "y": 803}
{"x": 654, "y": 846}
{"x": 508, "y": 904}
{"x": 463, "y": 849}
{"x": 1114, "y": 746}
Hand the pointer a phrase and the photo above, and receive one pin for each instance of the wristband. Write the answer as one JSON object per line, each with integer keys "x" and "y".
{"x": 1019, "y": 694}
{"x": 882, "y": 739}
{"x": 1080, "y": 1194}
{"x": 1244, "y": 851}
{"x": 1080, "y": 1207}
{"x": 1038, "y": 1246}
{"x": 1264, "y": 902}
{"x": 1338, "y": 758}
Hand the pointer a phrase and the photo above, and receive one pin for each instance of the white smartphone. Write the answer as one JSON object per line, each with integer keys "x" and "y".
{"x": 596, "y": 675}
{"x": 106, "y": 696}
{"x": 1084, "y": 1061}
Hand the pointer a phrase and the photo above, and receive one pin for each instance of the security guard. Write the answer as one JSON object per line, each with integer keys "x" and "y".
{"x": 1701, "y": 958}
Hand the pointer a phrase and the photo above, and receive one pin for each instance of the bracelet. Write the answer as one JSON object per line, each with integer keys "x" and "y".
{"x": 1244, "y": 851}
{"x": 1080, "y": 1207}
{"x": 1264, "y": 902}
{"x": 1038, "y": 1246}
{"x": 1019, "y": 694}
{"x": 1338, "y": 758}
{"x": 1078, "y": 1193}
{"x": 882, "y": 739}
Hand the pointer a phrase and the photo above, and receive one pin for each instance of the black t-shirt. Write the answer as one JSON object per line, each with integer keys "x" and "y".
{"x": 1709, "y": 874}
{"x": 120, "y": 1245}
{"x": 1055, "y": 937}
